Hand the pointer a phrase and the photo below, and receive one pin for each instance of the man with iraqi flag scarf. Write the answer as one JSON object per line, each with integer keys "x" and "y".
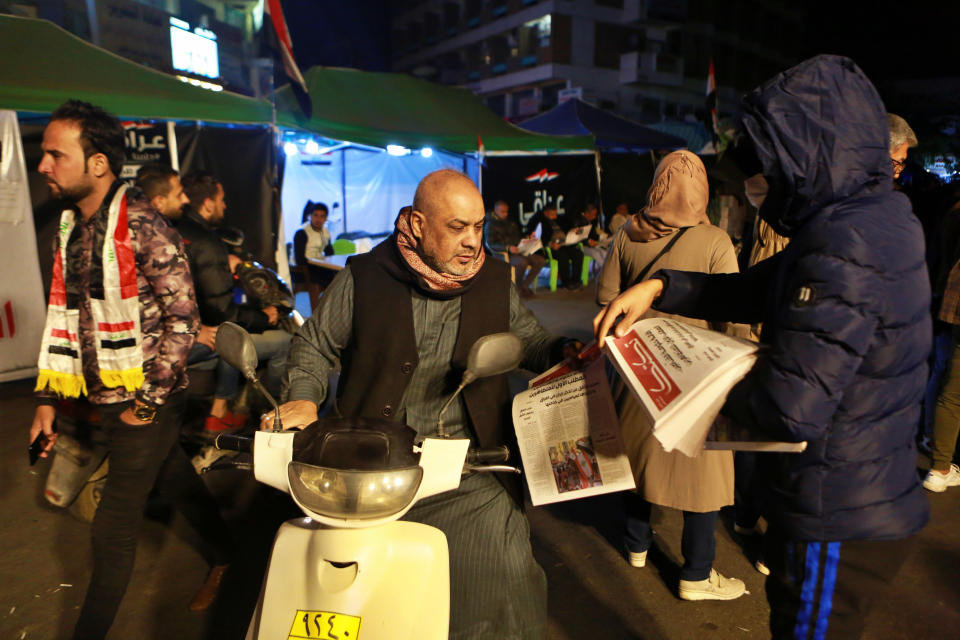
{"x": 121, "y": 319}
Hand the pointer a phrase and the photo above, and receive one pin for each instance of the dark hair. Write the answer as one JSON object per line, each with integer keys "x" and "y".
{"x": 154, "y": 179}
{"x": 199, "y": 186}
{"x": 312, "y": 206}
{"x": 100, "y": 132}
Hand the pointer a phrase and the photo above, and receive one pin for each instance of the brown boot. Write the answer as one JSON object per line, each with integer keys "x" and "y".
{"x": 208, "y": 591}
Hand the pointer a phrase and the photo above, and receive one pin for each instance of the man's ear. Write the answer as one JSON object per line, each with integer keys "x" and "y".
{"x": 98, "y": 165}
{"x": 417, "y": 221}
{"x": 155, "y": 202}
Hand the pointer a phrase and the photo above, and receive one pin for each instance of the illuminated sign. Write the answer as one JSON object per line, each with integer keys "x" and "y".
{"x": 194, "y": 51}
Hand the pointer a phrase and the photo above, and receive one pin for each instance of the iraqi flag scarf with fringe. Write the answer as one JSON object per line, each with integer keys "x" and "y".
{"x": 114, "y": 307}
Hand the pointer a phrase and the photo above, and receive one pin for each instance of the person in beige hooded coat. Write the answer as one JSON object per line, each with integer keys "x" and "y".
{"x": 672, "y": 232}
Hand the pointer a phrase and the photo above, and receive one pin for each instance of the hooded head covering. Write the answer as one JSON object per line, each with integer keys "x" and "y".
{"x": 820, "y": 133}
{"x": 677, "y": 198}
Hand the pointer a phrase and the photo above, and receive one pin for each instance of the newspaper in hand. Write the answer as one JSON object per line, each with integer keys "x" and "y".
{"x": 569, "y": 435}
{"x": 682, "y": 374}
{"x": 577, "y": 235}
{"x": 529, "y": 245}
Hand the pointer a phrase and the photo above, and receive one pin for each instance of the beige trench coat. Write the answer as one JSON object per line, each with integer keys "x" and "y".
{"x": 700, "y": 484}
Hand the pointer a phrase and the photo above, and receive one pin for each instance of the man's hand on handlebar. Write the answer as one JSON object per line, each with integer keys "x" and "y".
{"x": 295, "y": 414}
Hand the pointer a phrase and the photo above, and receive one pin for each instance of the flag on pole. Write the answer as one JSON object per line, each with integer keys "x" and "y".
{"x": 278, "y": 39}
{"x": 712, "y": 106}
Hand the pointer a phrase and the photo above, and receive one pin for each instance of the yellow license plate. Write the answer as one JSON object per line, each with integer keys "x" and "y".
{"x": 324, "y": 625}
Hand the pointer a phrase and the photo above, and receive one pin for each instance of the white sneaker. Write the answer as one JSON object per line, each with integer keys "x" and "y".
{"x": 716, "y": 587}
{"x": 637, "y": 558}
{"x": 938, "y": 482}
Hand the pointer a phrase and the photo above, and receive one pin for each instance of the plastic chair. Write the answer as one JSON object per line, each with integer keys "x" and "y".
{"x": 344, "y": 247}
{"x": 554, "y": 266}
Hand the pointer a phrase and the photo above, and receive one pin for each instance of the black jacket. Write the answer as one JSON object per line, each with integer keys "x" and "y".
{"x": 212, "y": 277}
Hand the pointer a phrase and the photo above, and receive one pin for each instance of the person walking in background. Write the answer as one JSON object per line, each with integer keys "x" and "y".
{"x": 121, "y": 320}
{"x": 672, "y": 231}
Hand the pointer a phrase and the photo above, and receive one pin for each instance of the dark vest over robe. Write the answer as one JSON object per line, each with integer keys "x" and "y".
{"x": 378, "y": 363}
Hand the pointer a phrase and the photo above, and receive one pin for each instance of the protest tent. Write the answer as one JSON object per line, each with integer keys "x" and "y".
{"x": 356, "y": 115}
{"x": 380, "y": 109}
{"x": 622, "y": 161}
{"x": 612, "y": 132}
{"x": 45, "y": 65}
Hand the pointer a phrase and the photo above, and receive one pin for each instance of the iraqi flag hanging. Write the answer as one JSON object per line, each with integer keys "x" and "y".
{"x": 278, "y": 39}
{"x": 711, "y": 104}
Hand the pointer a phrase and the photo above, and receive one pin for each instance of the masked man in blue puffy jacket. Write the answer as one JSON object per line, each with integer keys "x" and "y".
{"x": 846, "y": 323}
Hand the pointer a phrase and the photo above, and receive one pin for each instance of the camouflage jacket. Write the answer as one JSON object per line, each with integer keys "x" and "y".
{"x": 169, "y": 319}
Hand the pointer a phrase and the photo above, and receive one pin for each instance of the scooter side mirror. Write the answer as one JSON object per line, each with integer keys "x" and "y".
{"x": 234, "y": 345}
{"x": 492, "y": 355}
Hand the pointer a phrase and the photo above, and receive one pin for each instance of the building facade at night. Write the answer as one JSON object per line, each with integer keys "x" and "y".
{"x": 207, "y": 42}
{"x": 645, "y": 59}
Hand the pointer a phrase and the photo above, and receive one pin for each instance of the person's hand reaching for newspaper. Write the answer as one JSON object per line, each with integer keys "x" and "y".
{"x": 631, "y": 304}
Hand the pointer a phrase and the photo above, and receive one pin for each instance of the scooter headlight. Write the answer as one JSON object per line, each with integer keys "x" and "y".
{"x": 351, "y": 494}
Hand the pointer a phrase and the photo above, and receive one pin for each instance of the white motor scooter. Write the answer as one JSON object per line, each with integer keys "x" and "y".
{"x": 350, "y": 569}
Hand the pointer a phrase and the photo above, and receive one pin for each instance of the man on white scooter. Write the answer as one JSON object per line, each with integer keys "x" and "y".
{"x": 401, "y": 320}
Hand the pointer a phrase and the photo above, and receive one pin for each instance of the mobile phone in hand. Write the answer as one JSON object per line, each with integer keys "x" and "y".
{"x": 37, "y": 445}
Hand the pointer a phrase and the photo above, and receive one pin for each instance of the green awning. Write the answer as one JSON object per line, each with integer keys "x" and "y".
{"x": 43, "y": 66}
{"x": 391, "y": 108}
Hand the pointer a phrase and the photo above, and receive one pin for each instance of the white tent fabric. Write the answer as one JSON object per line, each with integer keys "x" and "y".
{"x": 22, "y": 308}
{"x": 377, "y": 186}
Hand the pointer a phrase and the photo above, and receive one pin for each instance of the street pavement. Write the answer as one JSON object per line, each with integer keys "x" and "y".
{"x": 593, "y": 593}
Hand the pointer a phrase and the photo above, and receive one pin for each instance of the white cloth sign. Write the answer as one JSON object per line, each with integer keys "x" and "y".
{"x": 22, "y": 307}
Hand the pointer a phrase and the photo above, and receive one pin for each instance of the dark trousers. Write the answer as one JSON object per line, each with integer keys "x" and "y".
{"x": 946, "y": 417}
{"x": 141, "y": 456}
{"x": 527, "y": 268}
{"x": 824, "y": 590}
{"x": 569, "y": 263}
{"x": 748, "y": 495}
{"x": 697, "y": 543}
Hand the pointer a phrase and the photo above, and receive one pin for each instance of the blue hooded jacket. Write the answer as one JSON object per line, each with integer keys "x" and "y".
{"x": 844, "y": 307}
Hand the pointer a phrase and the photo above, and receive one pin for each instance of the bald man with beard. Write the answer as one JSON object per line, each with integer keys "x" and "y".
{"x": 401, "y": 320}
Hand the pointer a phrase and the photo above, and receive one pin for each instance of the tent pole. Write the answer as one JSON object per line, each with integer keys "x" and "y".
{"x": 596, "y": 162}
{"x": 343, "y": 185}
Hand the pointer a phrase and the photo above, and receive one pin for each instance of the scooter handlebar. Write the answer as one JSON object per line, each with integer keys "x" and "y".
{"x": 488, "y": 456}
{"x": 234, "y": 443}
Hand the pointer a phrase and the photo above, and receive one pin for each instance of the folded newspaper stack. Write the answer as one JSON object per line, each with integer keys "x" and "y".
{"x": 682, "y": 374}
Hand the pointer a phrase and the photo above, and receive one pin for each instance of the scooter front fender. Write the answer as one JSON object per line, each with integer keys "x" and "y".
{"x": 386, "y": 582}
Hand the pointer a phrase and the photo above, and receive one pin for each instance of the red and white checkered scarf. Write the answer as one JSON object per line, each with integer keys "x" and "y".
{"x": 409, "y": 246}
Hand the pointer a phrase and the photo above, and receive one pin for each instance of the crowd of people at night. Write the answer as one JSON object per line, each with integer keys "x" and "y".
{"x": 853, "y": 292}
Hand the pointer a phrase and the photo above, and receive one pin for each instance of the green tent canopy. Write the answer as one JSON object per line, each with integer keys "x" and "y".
{"x": 390, "y": 108}
{"x": 43, "y": 66}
